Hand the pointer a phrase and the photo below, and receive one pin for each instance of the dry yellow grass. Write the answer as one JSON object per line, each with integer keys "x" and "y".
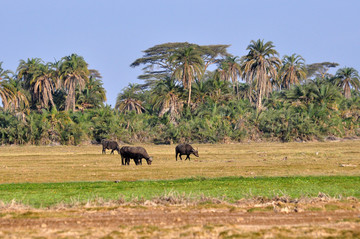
{"x": 86, "y": 163}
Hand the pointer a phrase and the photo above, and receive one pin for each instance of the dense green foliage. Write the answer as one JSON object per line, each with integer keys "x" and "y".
{"x": 46, "y": 194}
{"x": 254, "y": 97}
{"x": 305, "y": 112}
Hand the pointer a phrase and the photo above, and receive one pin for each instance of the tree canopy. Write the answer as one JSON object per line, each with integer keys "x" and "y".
{"x": 182, "y": 99}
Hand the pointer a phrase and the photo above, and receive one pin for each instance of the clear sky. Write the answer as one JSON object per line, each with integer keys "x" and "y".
{"x": 111, "y": 34}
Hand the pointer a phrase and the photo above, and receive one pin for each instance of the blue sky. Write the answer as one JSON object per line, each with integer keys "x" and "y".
{"x": 111, "y": 34}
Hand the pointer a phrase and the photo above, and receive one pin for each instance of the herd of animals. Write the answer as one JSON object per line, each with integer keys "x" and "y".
{"x": 138, "y": 153}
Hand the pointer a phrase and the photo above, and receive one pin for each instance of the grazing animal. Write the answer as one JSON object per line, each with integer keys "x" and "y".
{"x": 136, "y": 153}
{"x": 185, "y": 149}
{"x": 109, "y": 144}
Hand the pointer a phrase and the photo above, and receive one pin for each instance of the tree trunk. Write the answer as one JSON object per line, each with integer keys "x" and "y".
{"x": 347, "y": 91}
{"x": 73, "y": 100}
{"x": 52, "y": 102}
{"x": 67, "y": 103}
{"x": 70, "y": 98}
{"x": 259, "y": 101}
{"x": 237, "y": 88}
{"x": 189, "y": 99}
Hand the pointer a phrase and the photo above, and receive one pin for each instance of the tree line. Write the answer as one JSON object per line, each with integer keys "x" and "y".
{"x": 190, "y": 93}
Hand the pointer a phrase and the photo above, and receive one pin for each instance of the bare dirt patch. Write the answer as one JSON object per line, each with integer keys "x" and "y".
{"x": 271, "y": 219}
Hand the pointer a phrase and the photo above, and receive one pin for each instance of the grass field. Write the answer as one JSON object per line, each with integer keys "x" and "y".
{"x": 44, "y": 175}
{"x": 228, "y": 189}
{"x": 20, "y": 164}
{"x": 74, "y": 181}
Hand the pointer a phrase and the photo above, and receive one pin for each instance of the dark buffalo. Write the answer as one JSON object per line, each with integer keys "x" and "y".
{"x": 185, "y": 149}
{"x": 135, "y": 153}
{"x": 109, "y": 144}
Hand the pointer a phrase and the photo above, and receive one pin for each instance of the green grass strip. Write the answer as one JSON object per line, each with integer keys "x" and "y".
{"x": 233, "y": 188}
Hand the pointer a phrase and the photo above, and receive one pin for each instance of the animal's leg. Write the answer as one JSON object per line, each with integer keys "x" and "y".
{"x": 176, "y": 154}
{"x": 112, "y": 151}
{"x": 180, "y": 157}
{"x": 103, "y": 151}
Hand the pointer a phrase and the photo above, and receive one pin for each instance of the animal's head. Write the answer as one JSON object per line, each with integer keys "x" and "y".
{"x": 195, "y": 152}
{"x": 149, "y": 160}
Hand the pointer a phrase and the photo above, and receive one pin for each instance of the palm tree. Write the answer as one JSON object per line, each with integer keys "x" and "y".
{"x": 55, "y": 73}
{"x": 74, "y": 74}
{"x": 230, "y": 69}
{"x": 129, "y": 100}
{"x": 6, "y": 91}
{"x": 200, "y": 91}
{"x": 293, "y": 71}
{"x": 19, "y": 102}
{"x": 25, "y": 72}
{"x": 347, "y": 78}
{"x": 326, "y": 95}
{"x": 219, "y": 90}
{"x": 93, "y": 95}
{"x": 42, "y": 85}
{"x": 260, "y": 66}
{"x": 301, "y": 95}
{"x": 189, "y": 65}
{"x": 26, "y": 69}
{"x": 59, "y": 96}
{"x": 4, "y": 74}
{"x": 166, "y": 97}
{"x": 246, "y": 92}
{"x": 323, "y": 94}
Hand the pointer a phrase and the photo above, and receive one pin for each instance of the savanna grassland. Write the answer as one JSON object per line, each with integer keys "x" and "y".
{"x": 40, "y": 164}
{"x": 233, "y": 190}
{"x": 246, "y": 190}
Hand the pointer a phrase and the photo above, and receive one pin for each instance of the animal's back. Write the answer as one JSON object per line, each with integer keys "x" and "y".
{"x": 134, "y": 152}
{"x": 141, "y": 152}
{"x": 124, "y": 151}
{"x": 183, "y": 148}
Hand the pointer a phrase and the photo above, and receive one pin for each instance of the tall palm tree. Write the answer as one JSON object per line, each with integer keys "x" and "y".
{"x": 19, "y": 102}
{"x": 260, "y": 66}
{"x": 6, "y": 91}
{"x": 230, "y": 69}
{"x": 129, "y": 100}
{"x": 347, "y": 78}
{"x": 166, "y": 97}
{"x": 43, "y": 85}
{"x": 189, "y": 65}
{"x": 26, "y": 69}
{"x": 55, "y": 73}
{"x": 25, "y": 72}
{"x": 59, "y": 95}
{"x": 293, "y": 71}
{"x": 74, "y": 74}
{"x": 221, "y": 73}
